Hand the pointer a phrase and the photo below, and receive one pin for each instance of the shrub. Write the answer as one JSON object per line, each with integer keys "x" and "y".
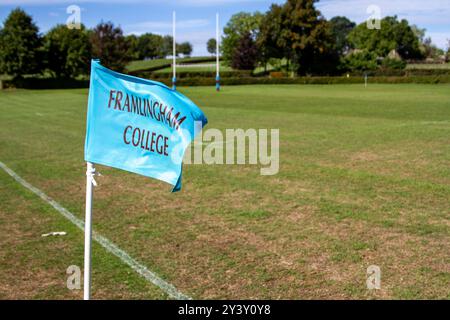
{"x": 394, "y": 64}
{"x": 360, "y": 61}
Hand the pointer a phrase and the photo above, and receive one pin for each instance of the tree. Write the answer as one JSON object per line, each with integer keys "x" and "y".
{"x": 408, "y": 45}
{"x": 269, "y": 42}
{"x": 393, "y": 35}
{"x": 19, "y": 45}
{"x": 341, "y": 27}
{"x": 167, "y": 46}
{"x": 307, "y": 38}
{"x": 132, "y": 41}
{"x": 429, "y": 50}
{"x": 149, "y": 46}
{"x": 68, "y": 51}
{"x": 110, "y": 46}
{"x": 245, "y": 53}
{"x": 239, "y": 25}
{"x": 184, "y": 48}
{"x": 211, "y": 46}
{"x": 419, "y": 32}
{"x": 447, "y": 56}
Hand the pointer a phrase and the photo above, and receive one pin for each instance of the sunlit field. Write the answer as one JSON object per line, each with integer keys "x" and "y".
{"x": 364, "y": 180}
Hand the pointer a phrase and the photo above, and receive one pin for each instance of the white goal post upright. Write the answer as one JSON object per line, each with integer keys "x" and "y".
{"x": 217, "y": 53}
{"x": 174, "y": 53}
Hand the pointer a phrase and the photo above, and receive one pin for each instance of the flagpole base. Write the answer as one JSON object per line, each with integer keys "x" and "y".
{"x": 217, "y": 83}
{"x": 174, "y": 83}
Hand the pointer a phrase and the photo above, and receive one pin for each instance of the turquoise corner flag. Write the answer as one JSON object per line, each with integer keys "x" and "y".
{"x": 139, "y": 125}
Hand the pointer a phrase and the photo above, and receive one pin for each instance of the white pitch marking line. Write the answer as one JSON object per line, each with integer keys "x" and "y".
{"x": 104, "y": 242}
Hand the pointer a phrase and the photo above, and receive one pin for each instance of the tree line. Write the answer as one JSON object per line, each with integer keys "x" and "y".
{"x": 293, "y": 36}
{"x": 297, "y": 33}
{"x": 66, "y": 52}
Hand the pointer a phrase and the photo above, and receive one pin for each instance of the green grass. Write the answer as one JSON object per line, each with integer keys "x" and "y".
{"x": 147, "y": 64}
{"x": 276, "y": 65}
{"x": 195, "y": 68}
{"x": 161, "y": 63}
{"x": 364, "y": 179}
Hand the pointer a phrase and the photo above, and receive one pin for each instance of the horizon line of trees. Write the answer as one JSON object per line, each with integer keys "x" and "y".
{"x": 297, "y": 33}
{"x": 66, "y": 52}
{"x": 294, "y": 36}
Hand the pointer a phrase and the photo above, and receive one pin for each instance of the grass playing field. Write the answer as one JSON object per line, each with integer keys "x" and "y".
{"x": 364, "y": 180}
{"x": 198, "y": 67}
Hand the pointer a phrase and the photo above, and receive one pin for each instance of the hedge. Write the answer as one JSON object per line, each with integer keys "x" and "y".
{"x": 187, "y": 74}
{"x": 238, "y": 74}
{"x": 405, "y": 72}
{"x": 45, "y": 83}
{"x": 200, "y": 74}
{"x": 308, "y": 80}
{"x": 52, "y": 83}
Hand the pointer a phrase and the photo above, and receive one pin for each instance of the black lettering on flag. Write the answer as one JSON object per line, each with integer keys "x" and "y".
{"x": 119, "y": 96}
{"x": 145, "y": 107}
{"x": 127, "y": 103}
{"x": 111, "y": 93}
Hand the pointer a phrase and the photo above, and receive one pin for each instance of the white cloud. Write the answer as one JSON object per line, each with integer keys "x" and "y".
{"x": 182, "y": 24}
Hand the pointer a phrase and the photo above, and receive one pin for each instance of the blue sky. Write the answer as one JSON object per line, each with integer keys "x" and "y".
{"x": 196, "y": 18}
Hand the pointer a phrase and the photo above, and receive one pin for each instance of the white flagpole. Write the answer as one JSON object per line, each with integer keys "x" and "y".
{"x": 88, "y": 230}
{"x": 174, "y": 79}
{"x": 217, "y": 54}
